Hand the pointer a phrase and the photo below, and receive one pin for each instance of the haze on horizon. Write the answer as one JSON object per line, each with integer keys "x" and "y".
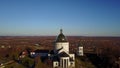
{"x": 47, "y": 17}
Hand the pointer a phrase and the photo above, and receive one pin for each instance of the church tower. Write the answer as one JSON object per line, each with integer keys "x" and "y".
{"x": 61, "y": 44}
{"x": 80, "y": 49}
{"x": 61, "y": 57}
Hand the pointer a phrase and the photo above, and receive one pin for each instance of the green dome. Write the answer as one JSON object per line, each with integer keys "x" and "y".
{"x": 61, "y": 37}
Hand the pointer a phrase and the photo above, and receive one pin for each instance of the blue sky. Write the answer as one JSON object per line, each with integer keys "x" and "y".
{"x": 46, "y": 17}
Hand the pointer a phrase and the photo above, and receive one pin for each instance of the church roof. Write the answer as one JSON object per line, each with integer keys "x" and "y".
{"x": 51, "y": 52}
{"x": 61, "y": 37}
{"x": 56, "y": 58}
{"x": 63, "y": 54}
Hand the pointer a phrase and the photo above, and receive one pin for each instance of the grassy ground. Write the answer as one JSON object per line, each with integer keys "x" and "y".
{"x": 14, "y": 65}
{"x": 83, "y": 62}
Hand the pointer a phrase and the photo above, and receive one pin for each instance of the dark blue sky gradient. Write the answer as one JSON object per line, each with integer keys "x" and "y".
{"x": 46, "y": 17}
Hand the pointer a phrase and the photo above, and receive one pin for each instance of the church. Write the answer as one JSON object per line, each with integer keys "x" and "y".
{"x": 61, "y": 57}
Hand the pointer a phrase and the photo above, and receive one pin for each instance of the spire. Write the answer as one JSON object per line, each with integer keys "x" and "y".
{"x": 61, "y": 31}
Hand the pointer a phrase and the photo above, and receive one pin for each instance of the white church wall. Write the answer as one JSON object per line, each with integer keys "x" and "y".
{"x": 62, "y": 62}
{"x": 72, "y": 64}
{"x": 64, "y": 45}
{"x": 80, "y": 51}
{"x": 72, "y": 56}
{"x": 55, "y": 64}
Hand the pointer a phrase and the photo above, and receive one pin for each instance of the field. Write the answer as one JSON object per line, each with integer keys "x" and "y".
{"x": 99, "y": 51}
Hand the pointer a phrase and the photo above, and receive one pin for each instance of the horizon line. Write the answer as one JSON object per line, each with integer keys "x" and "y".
{"x": 50, "y": 35}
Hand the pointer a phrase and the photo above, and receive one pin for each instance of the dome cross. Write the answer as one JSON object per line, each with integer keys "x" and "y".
{"x": 61, "y": 31}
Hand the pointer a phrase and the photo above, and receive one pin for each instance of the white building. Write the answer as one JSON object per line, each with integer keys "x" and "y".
{"x": 80, "y": 49}
{"x": 62, "y": 58}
